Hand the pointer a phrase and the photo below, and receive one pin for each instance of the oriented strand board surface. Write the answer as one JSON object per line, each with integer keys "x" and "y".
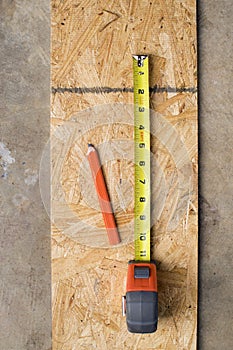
{"x": 92, "y": 96}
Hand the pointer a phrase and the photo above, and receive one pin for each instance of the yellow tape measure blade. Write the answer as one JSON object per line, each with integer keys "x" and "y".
{"x": 142, "y": 158}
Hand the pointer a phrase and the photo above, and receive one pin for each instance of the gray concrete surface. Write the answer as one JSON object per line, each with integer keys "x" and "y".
{"x": 216, "y": 173}
{"x": 25, "y": 288}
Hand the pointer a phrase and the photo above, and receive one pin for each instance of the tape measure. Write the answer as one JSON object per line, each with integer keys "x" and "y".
{"x": 140, "y": 304}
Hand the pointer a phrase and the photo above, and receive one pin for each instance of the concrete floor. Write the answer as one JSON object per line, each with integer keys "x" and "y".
{"x": 25, "y": 315}
{"x": 216, "y": 172}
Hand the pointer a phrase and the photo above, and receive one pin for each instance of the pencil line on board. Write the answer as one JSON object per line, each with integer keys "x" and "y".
{"x": 108, "y": 90}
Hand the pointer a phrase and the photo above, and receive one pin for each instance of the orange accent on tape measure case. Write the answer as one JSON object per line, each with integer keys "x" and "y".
{"x": 141, "y": 284}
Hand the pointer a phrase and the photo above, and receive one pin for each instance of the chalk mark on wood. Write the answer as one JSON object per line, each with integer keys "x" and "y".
{"x": 106, "y": 89}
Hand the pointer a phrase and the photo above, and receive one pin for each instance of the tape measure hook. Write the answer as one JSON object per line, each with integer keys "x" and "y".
{"x": 140, "y": 59}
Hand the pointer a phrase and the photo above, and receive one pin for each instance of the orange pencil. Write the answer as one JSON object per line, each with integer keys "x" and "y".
{"x": 104, "y": 200}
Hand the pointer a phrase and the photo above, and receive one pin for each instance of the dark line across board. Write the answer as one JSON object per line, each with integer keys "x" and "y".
{"x": 108, "y": 90}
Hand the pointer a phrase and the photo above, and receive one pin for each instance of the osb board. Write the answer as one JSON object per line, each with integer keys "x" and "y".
{"x": 92, "y": 97}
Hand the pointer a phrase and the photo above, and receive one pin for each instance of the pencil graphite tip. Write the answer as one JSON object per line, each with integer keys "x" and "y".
{"x": 91, "y": 148}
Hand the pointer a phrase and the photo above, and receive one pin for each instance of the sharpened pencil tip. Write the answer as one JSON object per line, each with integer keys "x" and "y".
{"x": 90, "y": 149}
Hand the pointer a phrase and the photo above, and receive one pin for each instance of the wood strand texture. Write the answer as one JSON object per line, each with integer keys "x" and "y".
{"x": 92, "y": 102}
